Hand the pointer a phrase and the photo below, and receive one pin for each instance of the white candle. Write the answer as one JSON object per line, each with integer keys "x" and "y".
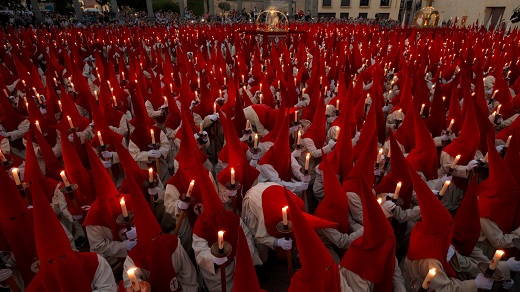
{"x": 368, "y": 99}
{"x": 336, "y": 134}
{"x": 214, "y": 108}
{"x": 248, "y": 125}
{"x": 198, "y": 82}
{"x": 284, "y": 215}
{"x": 508, "y": 140}
{"x": 296, "y": 116}
{"x": 64, "y": 178}
{"x": 256, "y": 141}
{"x": 428, "y": 279}
{"x": 232, "y": 176}
{"x": 220, "y": 92}
{"x": 492, "y": 117}
{"x": 123, "y": 207}
{"x": 496, "y": 258}
{"x": 422, "y": 108}
{"x": 298, "y": 140}
{"x": 2, "y": 157}
{"x": 397, "y": 190}
{"x": 100, "y": 138}
{"x": 485, "y": 159}
{"x": 152, "y": 134}
{"x": 380, "y": 201}
{"x": 498, "y": 109}
{"x": 59, "y": 104}
{"x": 39, "y": 98}
{"x": 242, "y": 78}
{"x": 72, "y": 85}
{"x": 451, "y": 124}
{"x": 321, "y": 80}
{"x": 221, "y": 239}
{"x": 455, "y": 161}
{"x": 114, "y": 99}
{"x": 307, "y": 158}
{"x": 16, "y": 176}
{"x": 95, "y": 94}
{"x": 444, "y": 188}
{"x": 337, "y": 104}
{"x": 133, "y": 279}
{"x": 224, "y": 80}
{"x": 201, "y": 129}
{"x": 190, "y": 188}
{"x": 278, "y": 84}
{"x": 494, "y": 93}
{"x": 400, "y": 114}
{"x": 37, "y": 124}
{"x": 70, "y": 122}
{"x": 165, "y": 100}
{"x": 150, "y": 174}
{"x": 379, "y": 154}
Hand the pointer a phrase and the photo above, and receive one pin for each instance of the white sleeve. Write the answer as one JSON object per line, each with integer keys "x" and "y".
{"x": 104, "y": 278}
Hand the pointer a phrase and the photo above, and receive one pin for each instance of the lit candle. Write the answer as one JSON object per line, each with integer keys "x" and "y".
{"x": 232, "y": 176}
{"x": 451, "y": 124}
{"x": 444, "y": 188}
{"x": 100, "y": 138}
{"x": 498, "y": 109}
{"x": 256, "y": 141}
{"x": 214, "y": 107}
{"x": 114, "y": 99}
{"x": 492, "y": 117}
{"x": 379, "y": 154}
{"x": 201, "y": 129}
{"x": 494, "y": 93}
{"x": 296, "y": 116}
{"x": 59, "y": 104}
{"x": 70, "y": 122}
{"x": 428, "y": 279}
{"x": 284, "y": 215}
{"x": 278, "y": 84}
{"x": 224, "y": 80}
{"x": 190, "y": 188}
{"x": 337, "y": 104}
{"x": 397, "y": 190}
{"x": 37, "y": 124}
{"x": 380, "y": 201}
{"x": 242, "y": 78}
{"x": 368, "y": 99}
{"x": 165, "y": 101}
{"x": 72, "y": 85}
{"x": 261, "y": 97}
{"x": 39, "y": 98}
{"x": 455, "y": 161}
{"x": 150, "y": 174}
{"x": 321, "y": 80}
{"x": 152, "y": 134}
{"x": 95, "y": 94}
{"x": 336, "y": 134}
{"x": 485, "y": 159}
{"x": 23, "y": 81}
{"x": 400, "y": 114}
{"x": 220, "y": 92}
{"x": 64, "y": 178}
{"x": 221, "y": 239}
{"x": 2, "y": 157}
{"x": 496, "y": 258}
{"x": 307, "y": 158}
{"x": 198, "y": 82}
{"x": 133, "y": 279}
{"x": 298, "y": 140}
{"x": 508, "y": 140}
{"x": 422, "y": 108}
{"x": 16, "y": 176}
{"x": 123, "y": 207}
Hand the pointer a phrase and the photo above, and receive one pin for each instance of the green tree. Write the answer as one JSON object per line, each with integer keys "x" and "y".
{"x": 166, "y": 5}
{"x": 197, "y": 6}
{"x": 224, "y": 6}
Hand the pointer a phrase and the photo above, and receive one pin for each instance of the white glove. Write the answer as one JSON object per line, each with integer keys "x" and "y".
{"x": 106, "y": 154}
{"x": 483, "y": 282}
{"x": 388, "y": 208}
{"x": 332, "y": 143}
{"x": 499, "y": 148}
{"x": 183, "y": 205}
{"x": 377, "y": 171}
{"x": 285, "y": 244}
{"x": 445, "y": 137}
{"x": 256, "y": 155}
{"x": 356, "y": 138}
{"x": 107, "y": 164}
{"x": 114, "y": 129}
{"x": 131, "y": 234}
{"x": 5, "y": 274}
{"x": 513, "y": 264}
{"x": 508, "y": 284}
{"x": 451, "y": 253}
{"x": 43, "y": 111}
{"x": 245, "y": 137}
{"x": 71, "y": 138}
{"x": 193, "y": 104}
{"x": 253, "y": 162}
{"x": 385, "y": 108}
{"x": 435, "y": 192}
{"x": 296, "y": 153}
{"x": 219, "y": 261}
{"x": 472, "y": 164}
{"x": 219, "y": 100}
{"x": 306, "y": 178}
{"x": 231, "y": 193}
{"x": 293, "y": 129}
{"x": 153, "y": 191}
{"x": 130, "y": 244}
{"x": 301, "y": 186}
{"x": 154, "y": 153}
{"x": 446, "y": 178}
{"x": 213, "y": 117}
{"x": 301, "y": 103}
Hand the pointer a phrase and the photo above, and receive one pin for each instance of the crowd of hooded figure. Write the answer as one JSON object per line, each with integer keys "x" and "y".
{"x": 364, "y": 159}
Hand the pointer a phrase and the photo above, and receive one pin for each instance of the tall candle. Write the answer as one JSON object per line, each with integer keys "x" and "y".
{"x": 397, "y": 190}
{"x": 508, "y": 140}
{"x": 284, "y": 215}
{"x": 298, "y": 140}
{"x": 59, "y": 105}
{"x": 224, "y": 80}
{"x": 100, "y": 138}
{"x": 492, "y": 117}
{"x": 133, "y": 279}
{"x": 232, "y": 176}
{"x": 16, "y": 176}
{"x": 165, "y": 101}
{"x": 152, "y": 134}
{"x": 444, "y": 188}
{"x": 114, "y": 99}
{"x": 39, "y": 98}
{"x": 422, "y": 109}
{"x": 37, "y": 124}
{"x": 451, "y": 124}
{"x": 307, "y": 158}
{"x": 190, "y": 188}
{"x": 123, "y": 207}
{"x": 494, "y": 93}
{"x": 498, "y": 109}
{"x": 379, "y": 154}
{"x": 337, "y": 104}
{"x": 455, "y": 161}
{"x": 485, "y": 159}
{"x": 150, "y": 174}
{"x": 95, "y": 95}
{"x": 2, "y": 157}
{"x": 243, "y": 78}
{"x": 400, "y": 114}
{"x": 256, "y": 141}
{"x": 64, "y": 178}
{"x": 70, "y": 122}
{"x": 198, "y": 82}
{"x": 336, "y": 134}
{"x": 221, "y": 239}
{"x": 321, "y": 80}
{"x": 220, "y": 92}
{"x": 496, "y": 258}
{"x": 214, "y": 107}
{"x": 201, "y": 128}
{"x": 428, "y": 279}
{"x": 278, "y": 84}
{"x": 296, "y": 116}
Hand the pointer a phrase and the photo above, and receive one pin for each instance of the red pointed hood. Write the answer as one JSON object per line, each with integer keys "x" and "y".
{"x": 319, "y": 272}
{"x": 423, "y": 157}
{"x": 431, "y": 237}
{"x": 369, "y": 129}
{"x": 245, "y": 274}
{"x": 467, "y": 222}
{"x": 317, "y": 132}
{"x": 376, "y": 245}
{"x": 498, "y": 194}
{"x": 335, "y": 203}
{"x": 406, "y": 132}
{"x": 279, "y": 155}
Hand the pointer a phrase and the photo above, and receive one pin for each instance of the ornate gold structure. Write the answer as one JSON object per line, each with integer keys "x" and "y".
{"x": 272, "y": 20}
{"x": 427, "y": 17}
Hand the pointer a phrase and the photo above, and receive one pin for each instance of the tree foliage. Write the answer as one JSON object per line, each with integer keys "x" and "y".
{"x": 224, "y": 6}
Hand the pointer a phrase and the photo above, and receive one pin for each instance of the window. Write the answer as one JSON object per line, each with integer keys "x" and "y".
{"x": 364, "y": 2}
{"x": 327, "y": 15}
{"x": 345, "y": 3}
{"x": 343, "y": 15}
{"x": 363, "y": 15}
{"x": 383, "y": 16}
{"x": 385, "y": 3}
{"x": 326, "y": 2}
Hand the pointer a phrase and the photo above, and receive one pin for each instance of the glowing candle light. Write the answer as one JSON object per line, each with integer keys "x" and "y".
{"x": 2, "y": 157}
{"x": 496, "y": 258}
{"x": 37, "y": 124}
{"x": 70, "y": 122}
{"x": 221, "y": 239}
{"x": 150, "y": 175}
{"x": 232, "y": 176}
{"x": 422, "y": 109}
{"x": 100, "y": 138}
{"x": 256, "y": 141}
{"x": 451, "y": 124}
{"x": 16, "y": 176}
{"x": 307, "y": 159}
{"x": 444, "y": 188}
{"x": 123, "y": 207}
{"x": 190, "y": 188}
{"x": 379, "y": 154}
{"x": 397, "y": 190}
{"x": 284, "y": 215}
{"x": 457, "y": 158}
{"x": 64, "y": 178}
{"x": 508, "y": 141}
{"x": 133, "y": 279}
{"x": 152, "y": 134}
{"x": 428, "y": 279}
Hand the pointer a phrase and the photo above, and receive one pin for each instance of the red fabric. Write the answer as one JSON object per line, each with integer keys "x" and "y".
{"x": 405, "y": 133}
{"x": 369, "y": 129}
{"x": 376, "y": 245}
{"x": 423, "y": 157}
{"x": 467, "y": 222}
{"x": 317, "y": 132}
{"x": 279, "y": 155}
{"x": 266, "y": 115}
{"x": 245, "y": 274}
{"x": 319, "y": 272}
